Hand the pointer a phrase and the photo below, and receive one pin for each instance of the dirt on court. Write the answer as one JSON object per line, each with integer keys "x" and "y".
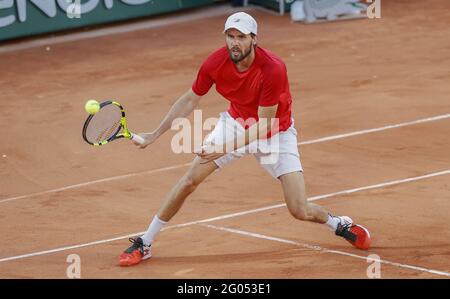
{"x": 345, "y": 77}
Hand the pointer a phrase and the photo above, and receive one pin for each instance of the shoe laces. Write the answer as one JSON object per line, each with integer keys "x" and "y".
{"x": 343, "y": 230}
{"x": 137, "y": 244}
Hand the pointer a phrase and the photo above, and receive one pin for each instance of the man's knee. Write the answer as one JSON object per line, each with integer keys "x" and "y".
{"x": 189, "y": 183}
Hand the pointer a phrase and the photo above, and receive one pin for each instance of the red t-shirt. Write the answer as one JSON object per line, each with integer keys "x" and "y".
{"x": 264, "y": 83}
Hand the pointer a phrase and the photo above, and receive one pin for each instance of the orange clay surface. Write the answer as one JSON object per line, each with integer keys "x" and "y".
{"x": 344, "y": 76}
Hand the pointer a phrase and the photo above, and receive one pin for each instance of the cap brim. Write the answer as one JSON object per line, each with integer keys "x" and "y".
{"x": 243, "y": 30}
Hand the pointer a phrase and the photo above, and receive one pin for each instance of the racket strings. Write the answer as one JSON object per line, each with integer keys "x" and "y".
{"x": 107, "y": 133}
{"x": 106, "y": 123}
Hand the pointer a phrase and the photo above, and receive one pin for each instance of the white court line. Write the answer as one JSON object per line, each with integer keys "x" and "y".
{"x": 334, "y": 137}
{"x": 414, "y": 122}
{"x": 154, "y": 22}
{"x": 67, "y": 248}
{"x": 226, "y": 216}
{"x": 114, "y": 178}
{"x": 325, "y": 250}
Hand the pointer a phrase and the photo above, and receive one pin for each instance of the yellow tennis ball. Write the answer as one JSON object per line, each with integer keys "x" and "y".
{"x": 92, "y": 106}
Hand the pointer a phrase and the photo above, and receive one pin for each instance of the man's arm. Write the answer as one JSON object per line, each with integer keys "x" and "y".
{"x": 266, "y": 120}
{"x": 181, "y": 108}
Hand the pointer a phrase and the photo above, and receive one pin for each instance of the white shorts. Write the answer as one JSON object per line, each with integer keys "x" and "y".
{"x": 278, "y": 155}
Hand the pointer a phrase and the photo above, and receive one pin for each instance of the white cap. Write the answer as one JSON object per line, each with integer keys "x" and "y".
{"x": 243, "y": 22}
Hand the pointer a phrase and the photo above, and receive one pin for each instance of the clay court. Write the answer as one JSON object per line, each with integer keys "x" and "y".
{"x": 372, "y": 111}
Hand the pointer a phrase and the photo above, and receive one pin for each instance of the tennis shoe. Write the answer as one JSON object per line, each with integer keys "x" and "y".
{"x": 136, "y": 253}
{"x": 355, "y": 234}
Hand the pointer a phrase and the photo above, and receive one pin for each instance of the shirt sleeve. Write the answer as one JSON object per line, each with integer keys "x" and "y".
{"x": 204, "y": 81}
{"x": 274, "y": 82}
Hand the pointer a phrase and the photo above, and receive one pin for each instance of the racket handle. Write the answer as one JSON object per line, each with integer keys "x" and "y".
{"x": 137, "y": 138}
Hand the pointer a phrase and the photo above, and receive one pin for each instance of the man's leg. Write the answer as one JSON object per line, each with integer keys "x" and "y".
{"x": 224, "y": 131}
{"x": 283, "y": 163}
{"x": 140, "y": 249}
{"x": 173, "y": 201}
{"x": 295, "y": 196}
{"x": 298, "y": 205}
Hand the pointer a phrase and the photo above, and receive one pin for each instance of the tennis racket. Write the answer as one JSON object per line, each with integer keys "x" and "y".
{"x": 108, "y": 124}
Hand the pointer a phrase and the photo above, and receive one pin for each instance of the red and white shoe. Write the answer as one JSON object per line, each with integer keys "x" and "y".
{"x": 136, "y": 253}
{"x": 355, "y": 234}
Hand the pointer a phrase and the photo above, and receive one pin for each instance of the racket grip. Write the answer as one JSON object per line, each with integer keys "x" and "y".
{"x": 137, "y": 138}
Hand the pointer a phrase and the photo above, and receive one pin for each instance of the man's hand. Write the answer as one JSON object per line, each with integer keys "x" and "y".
{"x": 210, "y": 153}
{"x": 149, "y": 139}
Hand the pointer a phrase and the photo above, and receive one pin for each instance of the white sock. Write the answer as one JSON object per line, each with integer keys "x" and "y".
{"x": 333, "y": 222}
{"x": 153, "y": 229}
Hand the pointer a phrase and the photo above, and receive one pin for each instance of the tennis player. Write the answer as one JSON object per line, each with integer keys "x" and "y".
{"x": 255, "y": 82}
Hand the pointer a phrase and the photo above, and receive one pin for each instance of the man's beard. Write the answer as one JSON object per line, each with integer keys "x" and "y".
{"x": 241, "y": 57}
